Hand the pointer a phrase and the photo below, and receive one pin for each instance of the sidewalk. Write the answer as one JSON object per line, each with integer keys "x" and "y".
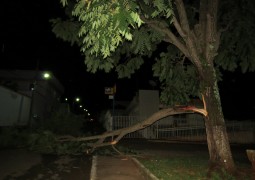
{"x": 118, "y": 168}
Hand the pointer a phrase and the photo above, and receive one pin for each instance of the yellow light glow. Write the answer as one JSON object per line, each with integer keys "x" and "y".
{"x": 46, "y": 75}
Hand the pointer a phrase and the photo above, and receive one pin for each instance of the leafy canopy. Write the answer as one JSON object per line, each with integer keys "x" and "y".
{"x": 112, "y": 34}
{"x": 237, "y": 49}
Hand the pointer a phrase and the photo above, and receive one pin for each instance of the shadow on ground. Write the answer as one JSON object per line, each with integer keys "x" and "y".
{"x": 20, "y": 164}
{"x": 25, "y": 165}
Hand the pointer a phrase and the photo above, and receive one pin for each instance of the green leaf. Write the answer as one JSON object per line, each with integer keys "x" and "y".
{"x": 64, "y": 2}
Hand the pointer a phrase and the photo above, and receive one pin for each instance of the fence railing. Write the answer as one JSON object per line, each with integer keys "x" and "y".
{"x": 191, "y": 129}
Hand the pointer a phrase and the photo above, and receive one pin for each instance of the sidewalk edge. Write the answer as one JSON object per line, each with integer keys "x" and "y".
{"x": 146, "y": 173}
{"x": 93, "y": 171}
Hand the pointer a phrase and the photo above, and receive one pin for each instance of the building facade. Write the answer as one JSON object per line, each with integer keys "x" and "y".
{"x": 42, "y": 95}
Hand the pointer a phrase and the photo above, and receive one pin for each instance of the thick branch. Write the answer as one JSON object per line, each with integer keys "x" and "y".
{"x": 208, "y": 38}
{"x": 182, "y": 15}
{"x": 213, "y": 10}
{"x": 178, "y": 28}
{"x": 212, "y": 34}
{"x": 188, "y": 36}
{"x": 141, "y": 125}
{"x": 171, "y": 38}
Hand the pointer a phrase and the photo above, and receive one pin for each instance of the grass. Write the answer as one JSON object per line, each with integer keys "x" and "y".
{"x": 189, "y": 168}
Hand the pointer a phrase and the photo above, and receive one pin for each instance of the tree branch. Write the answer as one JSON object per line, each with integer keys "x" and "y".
{"x": 141, "y": 125}
{"x": 182, "y": 16}
{"x": 178, "y": 27}
{"x": 171, "y": 38}
{"x": 188, "y": 36}
{"x": 212, "y": 33}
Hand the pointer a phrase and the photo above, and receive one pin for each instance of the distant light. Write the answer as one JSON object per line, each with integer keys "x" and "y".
{"x": 46, "y": 75}
{"x": 77, "y": 99}
{"x": 66, "y": 99}
{"x": 88, "y": 114}
{"x": 80, "y": 106}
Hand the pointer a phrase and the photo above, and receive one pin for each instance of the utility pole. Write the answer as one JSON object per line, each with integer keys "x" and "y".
{"x": 33, "y": 89}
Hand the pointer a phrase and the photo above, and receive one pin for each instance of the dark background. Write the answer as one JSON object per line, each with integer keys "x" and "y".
{"x": 26, "y": 39}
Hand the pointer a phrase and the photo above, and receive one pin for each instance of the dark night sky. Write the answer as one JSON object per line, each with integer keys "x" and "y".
{"x": 26, "y": 38}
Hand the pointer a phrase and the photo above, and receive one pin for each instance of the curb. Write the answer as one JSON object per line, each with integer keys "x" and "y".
{"x": 93, "y": 171}
{"x": 145, "y": 172}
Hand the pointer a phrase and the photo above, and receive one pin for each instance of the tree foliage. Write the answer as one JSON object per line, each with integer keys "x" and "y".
{"x": 105, "y": 24}
{"x": 238, "y": 40}
{"x": 177, "y": 75}
{"x": 118, "y": 34}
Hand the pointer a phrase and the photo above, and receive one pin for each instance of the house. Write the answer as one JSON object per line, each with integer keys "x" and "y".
{"x": 33, "y": 96}
{"x": 147, "y": 102}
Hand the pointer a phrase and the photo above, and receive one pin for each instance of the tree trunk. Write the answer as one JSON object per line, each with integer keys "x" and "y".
{"x": 217, "y": 137}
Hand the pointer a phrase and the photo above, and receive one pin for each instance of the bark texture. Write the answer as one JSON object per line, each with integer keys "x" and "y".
{"x": 199, "y": 44}
{"x": 217, "y": 137}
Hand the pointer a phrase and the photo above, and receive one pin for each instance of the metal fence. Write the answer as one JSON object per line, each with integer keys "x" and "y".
{"x": 184, "y": 129}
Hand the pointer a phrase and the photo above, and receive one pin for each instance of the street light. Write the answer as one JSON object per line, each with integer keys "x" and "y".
{"x": 75, "y": 103}
{"x": 46, "y": 75}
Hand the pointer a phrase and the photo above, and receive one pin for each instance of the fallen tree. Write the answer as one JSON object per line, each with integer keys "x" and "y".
{"x": 116, "y": 135}
{"x": 193, "y": 41}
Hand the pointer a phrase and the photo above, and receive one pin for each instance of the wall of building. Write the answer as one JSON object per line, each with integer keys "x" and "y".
{"x": 148, "y": 102}
{"x": 14, "y": 108}
{"x": 45, "y": 94}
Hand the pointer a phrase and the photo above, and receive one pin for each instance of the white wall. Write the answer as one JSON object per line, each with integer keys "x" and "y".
{"x": 148, "y": 102}
{"x": 14, "y": 108}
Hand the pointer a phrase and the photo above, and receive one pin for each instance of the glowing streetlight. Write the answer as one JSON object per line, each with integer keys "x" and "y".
{"x": 46, "y": 75}
{"x": 80, "y": 106}
{"x": 77, "y": 99}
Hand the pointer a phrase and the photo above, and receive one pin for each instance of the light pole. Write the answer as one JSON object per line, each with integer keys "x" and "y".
{"x": 76, "y": 100}
{"x": 44, "y": 76}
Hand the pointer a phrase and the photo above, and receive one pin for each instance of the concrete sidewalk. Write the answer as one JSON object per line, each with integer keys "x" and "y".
{"x": 118, "y": 168}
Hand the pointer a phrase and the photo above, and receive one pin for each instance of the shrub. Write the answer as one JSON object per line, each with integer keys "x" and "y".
{"x": 13, "y": 137}
{"x": 63, "y": 123}
{"x": 45, "y": 142}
